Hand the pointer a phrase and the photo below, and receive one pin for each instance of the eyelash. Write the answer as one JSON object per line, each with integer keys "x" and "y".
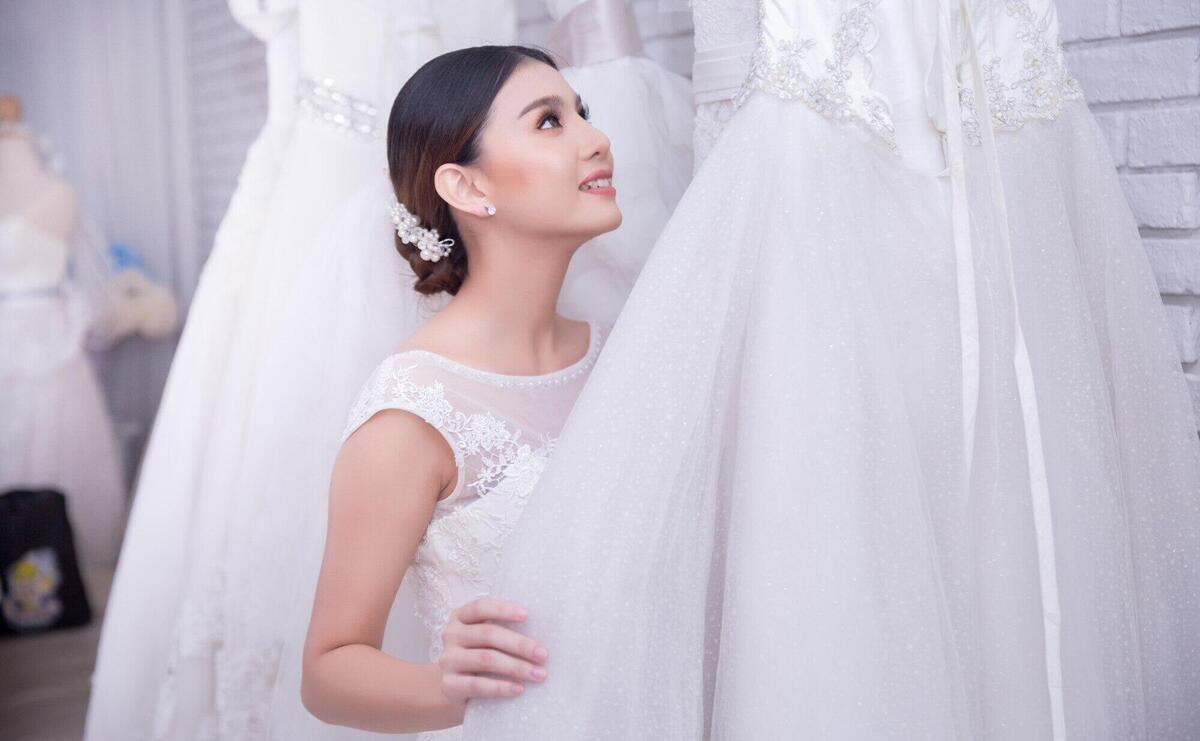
{"x": 584, "y": 113}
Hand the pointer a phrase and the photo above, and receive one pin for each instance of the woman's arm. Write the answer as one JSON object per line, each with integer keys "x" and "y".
{"x": 386, "y": 482}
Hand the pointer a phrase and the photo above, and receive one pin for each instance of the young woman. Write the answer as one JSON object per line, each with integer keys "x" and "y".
{"x": 499, "y": 178}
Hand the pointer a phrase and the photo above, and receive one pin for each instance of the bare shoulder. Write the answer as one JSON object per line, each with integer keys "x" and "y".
{"x": 397, "y": 447}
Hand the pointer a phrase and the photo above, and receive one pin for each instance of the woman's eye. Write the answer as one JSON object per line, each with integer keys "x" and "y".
{"x": 585, "y": 113}
{"x": 547, "y": 119}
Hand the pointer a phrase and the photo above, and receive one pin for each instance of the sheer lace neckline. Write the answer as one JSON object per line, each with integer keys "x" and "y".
{"x": 562, "y": 375}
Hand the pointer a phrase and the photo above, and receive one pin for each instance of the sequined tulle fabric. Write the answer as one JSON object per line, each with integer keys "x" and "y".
{"x": 816, "y": 487}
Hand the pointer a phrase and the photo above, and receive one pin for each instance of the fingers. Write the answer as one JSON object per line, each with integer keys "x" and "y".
{"x": 465, "y": 687}
{"x": 487, "y": 635}
{"x": 480, "y": 658}
{"x": 489, "y": 608}
{"x": 492, "y": 662}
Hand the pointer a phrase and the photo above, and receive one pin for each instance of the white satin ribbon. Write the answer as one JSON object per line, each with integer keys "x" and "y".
{"x": 969, "y": 328}
{"x": 596, "y": 31}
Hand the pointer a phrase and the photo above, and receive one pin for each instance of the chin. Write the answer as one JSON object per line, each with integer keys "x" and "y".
{"x": 615, "y": 221}
{"x": 600, "y": 222}
{"x": 610, "y": 221}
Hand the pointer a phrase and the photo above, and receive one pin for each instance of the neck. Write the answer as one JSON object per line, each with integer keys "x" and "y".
{"x": 17, "y": 157}
{"x": 515, "y": 300}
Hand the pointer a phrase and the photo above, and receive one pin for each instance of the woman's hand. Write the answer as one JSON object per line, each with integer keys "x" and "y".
{"x": 482, "y": 659}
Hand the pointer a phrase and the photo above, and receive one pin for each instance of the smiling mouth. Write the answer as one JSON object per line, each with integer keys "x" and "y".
{"x": 596, "y": 184}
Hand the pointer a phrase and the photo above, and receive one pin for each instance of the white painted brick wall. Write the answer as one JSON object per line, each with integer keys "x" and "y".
{"x": 227, "y": 82}
{"x": 1139, "y": 63}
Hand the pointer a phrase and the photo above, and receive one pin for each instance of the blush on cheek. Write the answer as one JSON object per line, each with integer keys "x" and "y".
{"x": 510, "y": 176}
{"x": 549, "y": 182}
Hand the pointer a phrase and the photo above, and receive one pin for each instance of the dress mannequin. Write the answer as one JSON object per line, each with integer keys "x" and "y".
{"x": 54, "y": 426}
{"x": 42, "y": 198}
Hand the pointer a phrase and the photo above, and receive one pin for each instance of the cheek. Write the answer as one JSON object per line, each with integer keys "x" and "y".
{"x": 535, "y": 175}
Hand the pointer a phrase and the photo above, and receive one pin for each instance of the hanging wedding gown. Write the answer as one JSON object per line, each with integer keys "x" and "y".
{"x": 140, "y": 615}
{"x": 173, "y": 661}
{"x": 646, "y": 112}
{"x": 55, "y": 429}
{"x": 891, "y": 440}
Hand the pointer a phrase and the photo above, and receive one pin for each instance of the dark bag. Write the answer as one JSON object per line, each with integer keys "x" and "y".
{"x": 40, "y": 585}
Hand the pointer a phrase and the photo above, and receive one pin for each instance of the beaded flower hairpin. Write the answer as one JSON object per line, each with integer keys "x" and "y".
{"x": 410, "y": 231}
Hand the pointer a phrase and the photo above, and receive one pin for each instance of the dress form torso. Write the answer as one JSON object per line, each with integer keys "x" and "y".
{"x": 27, "y": 190}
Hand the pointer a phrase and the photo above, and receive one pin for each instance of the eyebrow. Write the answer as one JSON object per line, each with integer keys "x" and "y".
{"x": 553, "y": 101}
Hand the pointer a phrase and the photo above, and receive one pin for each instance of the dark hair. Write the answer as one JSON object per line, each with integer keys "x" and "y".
{"x": 438, "y": 117}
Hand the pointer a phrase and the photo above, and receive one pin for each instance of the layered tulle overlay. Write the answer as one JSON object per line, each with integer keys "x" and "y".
{"x": 764, "y": 517}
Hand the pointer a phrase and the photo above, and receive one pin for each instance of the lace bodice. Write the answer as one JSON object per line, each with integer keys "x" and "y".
{"x": 501, "y": 430}
{"x": 870, "y": 63}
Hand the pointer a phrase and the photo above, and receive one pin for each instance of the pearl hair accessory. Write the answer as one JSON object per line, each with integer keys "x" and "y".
{"x": 410, "y": 231}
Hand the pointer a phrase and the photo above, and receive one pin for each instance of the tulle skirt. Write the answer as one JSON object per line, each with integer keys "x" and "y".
{"x": 55, "y": 429}
{"x": 765, "y": 516}
{"x": 140, "y": 617}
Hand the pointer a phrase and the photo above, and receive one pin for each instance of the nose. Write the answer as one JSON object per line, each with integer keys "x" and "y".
{"x": 596, "y": 145}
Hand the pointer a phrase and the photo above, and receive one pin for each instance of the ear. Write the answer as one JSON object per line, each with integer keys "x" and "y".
{"x": 456, "y": 185}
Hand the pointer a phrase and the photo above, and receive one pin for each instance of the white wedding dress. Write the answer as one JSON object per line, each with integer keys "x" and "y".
{"x": 891, "y": 440}
{"x": 193, "y": 642}
{"x": 55, "y": 429}
{"x": 140, "y": 616}
{"x": 501, "y": 429}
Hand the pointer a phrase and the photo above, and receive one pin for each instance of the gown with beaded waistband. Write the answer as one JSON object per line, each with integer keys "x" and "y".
{"x": 199, "y": 640}
{"x": 891, "y": 440}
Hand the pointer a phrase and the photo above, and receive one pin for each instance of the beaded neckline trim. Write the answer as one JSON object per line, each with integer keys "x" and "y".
{"x": 553, "y": 378}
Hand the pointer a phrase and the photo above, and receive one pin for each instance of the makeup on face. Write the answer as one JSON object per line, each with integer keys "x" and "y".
{"x": 544, "y": 158}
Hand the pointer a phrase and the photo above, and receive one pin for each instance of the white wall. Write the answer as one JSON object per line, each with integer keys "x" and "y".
{"x": 227, "y": 104}
{"x": 1139, "y": 63}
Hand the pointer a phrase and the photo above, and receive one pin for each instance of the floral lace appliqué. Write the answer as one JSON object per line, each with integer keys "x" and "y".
{"x": 782, "y": 72}
{"x": 1040, "y": 92}
{"x": 461, "y": 547}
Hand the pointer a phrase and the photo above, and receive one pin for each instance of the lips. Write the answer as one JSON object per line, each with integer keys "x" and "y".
{"x": 598, "y": 183}
{"x": 598, "y": 180}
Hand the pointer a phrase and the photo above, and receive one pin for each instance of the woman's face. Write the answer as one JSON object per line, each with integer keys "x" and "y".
{"x": 545, "y": 168}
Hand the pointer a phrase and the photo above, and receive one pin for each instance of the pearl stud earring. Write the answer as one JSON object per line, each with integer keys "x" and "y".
{"x": 491, "y": 210}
